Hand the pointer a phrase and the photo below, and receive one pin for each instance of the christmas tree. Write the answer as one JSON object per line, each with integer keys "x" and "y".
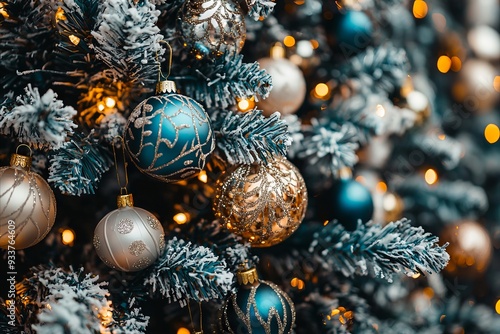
{"x": 221, "y": 166}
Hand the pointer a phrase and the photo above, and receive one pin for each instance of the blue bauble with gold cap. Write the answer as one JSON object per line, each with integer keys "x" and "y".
{"x": 258, "y": 307}
{"x": 169, "y": 137}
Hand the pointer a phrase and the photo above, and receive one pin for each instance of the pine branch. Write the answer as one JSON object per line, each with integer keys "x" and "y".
{"x": 260, "y": 8}
{"x": 329, "y": 147}
{"x": 217, "y": 83}
{"x": 450, "y": 201}
{"x": 379, "y": 251}
{"x": 372, "y": 114}
{"x": 186, "y": 271}
{"x": 247, "y": 138}
{"x": 77, "y": 167}
{"x": 381, "y": 69}
{"x": 40, "y": 121}
{"x": 128, "y": 319}
{"x": 221, "y": 242}
{"x": 476, "y": 318}
{"x": 127, "y": 41}
{"x": 447, "y": 151}
{"x": 26, "y": 42}
{"x": 68, "y": 301}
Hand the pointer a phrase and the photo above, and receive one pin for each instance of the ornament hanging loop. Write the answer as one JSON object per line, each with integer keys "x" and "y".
{"x": 21, "y": 160}
{"x": 191, "y": 318}
{"x": 123, "y": 187}
{"x": 164, "y": 85}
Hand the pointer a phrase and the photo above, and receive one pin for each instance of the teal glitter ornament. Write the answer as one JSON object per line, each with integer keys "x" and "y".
{"x": 347, "y": 201}
{"x": 351, "y": 30}
{"x": 169, "y": 137}
{"x": 258, "y": 307}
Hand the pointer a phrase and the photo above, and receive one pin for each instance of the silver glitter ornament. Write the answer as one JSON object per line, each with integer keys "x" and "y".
{"x": 27, "y": 205}
{"x": 212, "y": 26}
{"x": 128, "y": 238}
{"x": 289, "y": 86}
{"x": 264, "y": 204}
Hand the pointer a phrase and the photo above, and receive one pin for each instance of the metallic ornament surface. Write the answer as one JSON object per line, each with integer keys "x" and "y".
{"x": 129, "y": 239}
{"x": 260, "y": 309}
{"x": 289, "y": 87}
{"x": 212, "y": 26}
{"x": 27, "y": 207}
{"x": 169, "y": 137}
{"x": 264, "y": 204}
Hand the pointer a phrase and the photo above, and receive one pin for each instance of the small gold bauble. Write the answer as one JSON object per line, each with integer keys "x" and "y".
{"x": 470, "y": 249}
{"x": 264, "y": 204}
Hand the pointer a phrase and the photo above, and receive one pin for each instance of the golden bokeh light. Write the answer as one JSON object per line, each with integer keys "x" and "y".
{"x": 456, "y": 64}
{"x": 289, "y": 41}
{"x": 321, "y": 90}
{"x": 74, "y": 39}
{"x": 420, "y": 9}
{"x": 245, "y": 104}
{"x": 444, "y": 64}
{"x": 109, "y": 102}
{"x": 183, "y": 330}
{"x": 497, "y": 306}
{"x": 496, "y": 83}
{"x": 3, "y": 11}
{"x": 60, "y": 15}
{"x": 68, "y": 237}
{"x": 381, "y": 187}
{"x": 181, "y": 218}
{"x": 203, "y": 177}
{"x": 491, "y": 133}
{"x": 314, "y": 43}
{"x": 430, "y": 176}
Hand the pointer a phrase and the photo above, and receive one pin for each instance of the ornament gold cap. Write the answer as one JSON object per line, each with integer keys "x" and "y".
{"x": 124, "y": 200}
{"x": 247, "y": 276}
{"x": 166, "y": 86}
{"x": 18, "y": 160}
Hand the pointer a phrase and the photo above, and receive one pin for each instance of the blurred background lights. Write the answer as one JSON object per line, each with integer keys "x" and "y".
{"x": 305, "y": 49}
{"x": 181, "y": 218}
{"x": 444, "y": 64}
{"x": 68, "y": 236}
{"x": 431, "y": 176}
{"x": 289, "y": 41}
{"x": 491, "y": 133}
{"x": 420, "y": 9}
{"x": 183, "y": 330}
{"x": 496, "y": 83}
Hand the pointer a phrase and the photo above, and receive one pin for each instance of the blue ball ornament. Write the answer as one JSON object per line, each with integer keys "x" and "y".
{"x": 351, "y": 31}
{"x": 169, "y": 137}
{"x": 260, "y": 307}
{"x": 347, "y": 201}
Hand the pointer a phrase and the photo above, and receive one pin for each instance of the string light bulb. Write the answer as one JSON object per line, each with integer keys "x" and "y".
{"x": 3, "y": 11}
{"x": 431, "y": 176}
{"x": 67, "y": 237}
{"x": 60, "y": 15}
{"x": 491, "y": 133}
{"x": 74, "y": 39}
{"x": 181, "y": 218}
{"x": 109, "y": 102}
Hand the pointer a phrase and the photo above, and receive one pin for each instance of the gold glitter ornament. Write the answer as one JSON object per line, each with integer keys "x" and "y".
{"x": 264, "y": 204}
{"x": 212, "y": 26}
{"x": 27, "y": 205}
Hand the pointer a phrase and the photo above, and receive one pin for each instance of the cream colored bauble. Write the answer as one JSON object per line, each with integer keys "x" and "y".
{"x": 289, "y": 87}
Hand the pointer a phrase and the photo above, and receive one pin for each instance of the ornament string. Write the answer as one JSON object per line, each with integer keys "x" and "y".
{"x": 123, "y": 188}
{"x": 164, "y": 85}
{"x": 160, "y": 73}
{"x": 191, "y": 318}
{"x": 24, "y": 145}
